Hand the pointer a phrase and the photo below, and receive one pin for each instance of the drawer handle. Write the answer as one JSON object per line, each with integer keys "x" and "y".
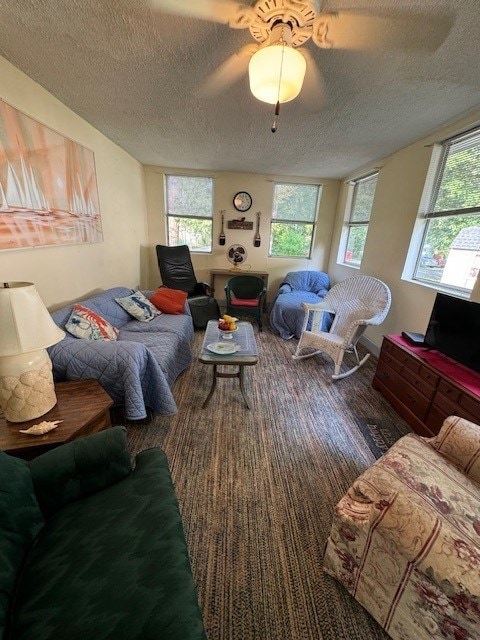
{"x": 411, "y": 398}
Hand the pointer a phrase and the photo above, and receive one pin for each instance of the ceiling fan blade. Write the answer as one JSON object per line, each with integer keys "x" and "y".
{"x": 411, "y": 31}
{"x": 223, "y": 11}
{"x": 229, "y": 71}
{"x": 313, "y": 94}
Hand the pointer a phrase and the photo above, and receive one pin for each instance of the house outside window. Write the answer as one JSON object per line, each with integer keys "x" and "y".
{"x": 294, "y": 214}
{"x": 189, "y": 211}
{"x": 449, "y": 255}
{"x": 360, "y": 203}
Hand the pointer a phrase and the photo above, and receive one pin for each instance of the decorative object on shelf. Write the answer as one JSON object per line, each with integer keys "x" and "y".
{"x": 41, "y": 428}
{"x": 26, "y": 382}
{"x": 236, "y": 255}
{"x": 240, "y": 223}
{"x": 242, "y": 201}
{"x": 221, "y": 237}
{"x": 257, "y": 241}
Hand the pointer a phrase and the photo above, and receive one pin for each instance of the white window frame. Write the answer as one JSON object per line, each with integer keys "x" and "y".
{"x": 170, "y": 215}
{"x": 349, "y": 224}
{"x": 433, "y": 181}
{"x": 313, "y": 224}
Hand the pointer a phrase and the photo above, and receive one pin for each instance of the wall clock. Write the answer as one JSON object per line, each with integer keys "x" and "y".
{"x": 242, "y": 201}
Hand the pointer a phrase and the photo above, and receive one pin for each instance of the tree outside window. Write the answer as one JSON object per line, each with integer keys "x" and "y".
{"x": 294, "y": 215}
{"x": 189, "y": 210}
{"x": 361, "y": 203}
{"x": 449, "y": 255}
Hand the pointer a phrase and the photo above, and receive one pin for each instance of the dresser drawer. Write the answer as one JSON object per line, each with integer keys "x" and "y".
{"x": 429, "y": 376}
{"x": 449, "y": 391}
{"x": 411, "y": 397}
{"x": 472, "y": 405}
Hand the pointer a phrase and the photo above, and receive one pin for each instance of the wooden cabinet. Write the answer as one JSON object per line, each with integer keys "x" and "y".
{"x": 425, "y": 390}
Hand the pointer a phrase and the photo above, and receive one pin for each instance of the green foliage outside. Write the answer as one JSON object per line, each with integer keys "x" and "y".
{"x": 190, "y": 196}
{"x": 460, "y": 188}
{"x": 297, "y": 204}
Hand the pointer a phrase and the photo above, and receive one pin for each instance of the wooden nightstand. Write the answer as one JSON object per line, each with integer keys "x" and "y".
{"x": 83, "y": 405}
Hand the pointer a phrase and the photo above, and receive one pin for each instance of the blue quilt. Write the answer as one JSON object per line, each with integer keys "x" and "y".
{"x": 286, "y": 313}
{"x": 138, "y": 369}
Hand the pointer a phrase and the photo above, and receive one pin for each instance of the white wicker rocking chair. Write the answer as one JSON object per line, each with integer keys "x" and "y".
{"x": 355, "y": 303}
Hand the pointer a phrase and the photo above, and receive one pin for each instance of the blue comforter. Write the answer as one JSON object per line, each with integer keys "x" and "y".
{"x": 138, "y": 369}
{"x": 286, "y": 314}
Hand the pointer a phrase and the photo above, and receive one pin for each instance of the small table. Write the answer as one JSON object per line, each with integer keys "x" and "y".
{"x": 246, "y": 356}
{"x": 83, "y": 405}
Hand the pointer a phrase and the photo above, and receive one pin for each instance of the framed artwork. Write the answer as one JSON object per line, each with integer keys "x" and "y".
{"x": 48, "y": 186}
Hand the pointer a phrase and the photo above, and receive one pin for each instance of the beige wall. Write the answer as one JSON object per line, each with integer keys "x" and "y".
{"x": 397, "y": 198}
{"x": 260, "y": 188}
{"x": 64, "y": 273}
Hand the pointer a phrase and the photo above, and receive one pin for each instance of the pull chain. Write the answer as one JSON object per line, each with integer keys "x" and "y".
{"x": 277, "y": 106}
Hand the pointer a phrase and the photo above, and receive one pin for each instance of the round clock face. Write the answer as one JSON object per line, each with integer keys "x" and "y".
{"x": 242, "y": 201}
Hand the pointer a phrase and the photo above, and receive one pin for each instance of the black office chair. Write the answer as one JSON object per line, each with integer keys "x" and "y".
{"x": 245, "y": 296}
{"x": 176, "y": 270}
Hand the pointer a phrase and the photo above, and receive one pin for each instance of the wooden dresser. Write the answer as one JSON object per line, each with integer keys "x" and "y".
{"x": 425, "y": 386}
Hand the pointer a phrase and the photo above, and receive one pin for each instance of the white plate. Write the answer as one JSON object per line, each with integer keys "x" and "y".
{"x": 223, "y": 348}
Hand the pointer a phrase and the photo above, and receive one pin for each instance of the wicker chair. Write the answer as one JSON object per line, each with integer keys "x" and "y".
{"x": 355, "y": 303}
{"x": 245, "y": 296}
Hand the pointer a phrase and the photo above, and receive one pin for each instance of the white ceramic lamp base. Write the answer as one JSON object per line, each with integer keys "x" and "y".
{"x": 26, "y": 386}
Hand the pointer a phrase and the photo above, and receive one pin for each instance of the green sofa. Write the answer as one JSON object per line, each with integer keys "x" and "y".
{"x": 90, "y": 548}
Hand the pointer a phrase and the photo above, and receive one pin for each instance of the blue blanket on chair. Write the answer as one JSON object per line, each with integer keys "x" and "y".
{"x": 286, "y": 314}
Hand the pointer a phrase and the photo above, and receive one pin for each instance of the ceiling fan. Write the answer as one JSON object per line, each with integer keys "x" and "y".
{"x": 277, "y": 62}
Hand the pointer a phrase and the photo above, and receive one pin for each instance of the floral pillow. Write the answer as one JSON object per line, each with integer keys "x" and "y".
{"x": 85, "y": 323}
{"x": 138, "y": 306}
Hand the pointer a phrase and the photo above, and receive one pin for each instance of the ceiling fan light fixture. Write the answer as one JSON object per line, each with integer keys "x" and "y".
{"x": 276, "y": 73}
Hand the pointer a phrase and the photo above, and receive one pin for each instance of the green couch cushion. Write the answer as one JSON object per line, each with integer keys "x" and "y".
{"x": 113, "y": 565}
{"x": 80, "y": 468}
{"x": 20, "y": 522}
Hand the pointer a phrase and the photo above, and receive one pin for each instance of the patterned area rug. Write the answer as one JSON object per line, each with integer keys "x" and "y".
{"x": 379, "y": 434}
{"x": 257, "y": 490}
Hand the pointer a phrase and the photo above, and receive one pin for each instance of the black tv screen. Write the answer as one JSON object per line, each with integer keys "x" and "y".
{"x": 454, "y": 330}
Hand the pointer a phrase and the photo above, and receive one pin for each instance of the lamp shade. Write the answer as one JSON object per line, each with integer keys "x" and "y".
{"x": 276, "y": 73}
{"x": 25, "y": 323}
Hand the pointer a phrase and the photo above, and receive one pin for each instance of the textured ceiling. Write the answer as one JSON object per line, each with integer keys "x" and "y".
{"x": 136, "y": 76}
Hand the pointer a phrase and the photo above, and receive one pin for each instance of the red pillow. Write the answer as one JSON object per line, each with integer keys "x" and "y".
{"x": 169, "y": 300}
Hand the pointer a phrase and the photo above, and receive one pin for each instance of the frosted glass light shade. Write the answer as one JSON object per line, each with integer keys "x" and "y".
{"x": 25, "y": 322}
{"x": 266, "y": 67}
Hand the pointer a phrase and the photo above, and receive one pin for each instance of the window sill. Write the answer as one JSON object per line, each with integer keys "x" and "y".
{"x": 439, "y": 289}
{"x": 348, "y": 264}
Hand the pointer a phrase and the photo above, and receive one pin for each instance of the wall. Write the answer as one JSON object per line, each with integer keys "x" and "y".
{"x": 64, "y": 273}
{"x": 261, "y": 189}
{"x": 397, "y": 198}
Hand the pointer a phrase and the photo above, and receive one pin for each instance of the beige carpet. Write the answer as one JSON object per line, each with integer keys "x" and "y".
{"x": 257, "y": 491}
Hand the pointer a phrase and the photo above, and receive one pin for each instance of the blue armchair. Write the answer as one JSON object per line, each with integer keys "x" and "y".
{"x": 286, "y": 313}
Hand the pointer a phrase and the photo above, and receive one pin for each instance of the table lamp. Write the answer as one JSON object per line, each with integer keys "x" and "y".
{"x": 26, "y": 329}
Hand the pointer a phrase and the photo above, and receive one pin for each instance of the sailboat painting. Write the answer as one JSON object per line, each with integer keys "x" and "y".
{"x": 48, "y": 186}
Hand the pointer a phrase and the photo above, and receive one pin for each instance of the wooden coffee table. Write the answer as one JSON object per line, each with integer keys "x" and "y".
{"x": 247, "y": 355}
{"x": 83, "y": 405}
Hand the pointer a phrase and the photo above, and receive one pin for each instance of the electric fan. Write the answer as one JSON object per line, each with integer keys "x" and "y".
{"x": 236, "y": 254}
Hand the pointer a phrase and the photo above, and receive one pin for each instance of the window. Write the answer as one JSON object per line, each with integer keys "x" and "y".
{"x": 189, "y": 209}
{"x": 362, "y": 192}
{"x": 449, "y": 254}
{"x": 293, "y": 219}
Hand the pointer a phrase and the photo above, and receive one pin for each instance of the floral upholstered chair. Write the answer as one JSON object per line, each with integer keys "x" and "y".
{"x": 405, "y": 540}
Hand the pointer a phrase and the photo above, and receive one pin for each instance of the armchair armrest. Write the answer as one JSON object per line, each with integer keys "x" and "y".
{"x": 459, "y": 442}
{"x": 80, "y": 468}
{"x": 284, "y": 288}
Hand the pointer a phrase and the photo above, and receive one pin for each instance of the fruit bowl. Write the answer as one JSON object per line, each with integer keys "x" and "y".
{"x": 227, "y": 335}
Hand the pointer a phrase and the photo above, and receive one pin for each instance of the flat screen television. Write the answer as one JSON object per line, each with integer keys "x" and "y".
{"x": 454, "y": 330}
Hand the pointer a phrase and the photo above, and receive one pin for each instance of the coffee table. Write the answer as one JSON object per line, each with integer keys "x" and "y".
{"x": 246, "y": 356}
{"x": 82, "y": 405}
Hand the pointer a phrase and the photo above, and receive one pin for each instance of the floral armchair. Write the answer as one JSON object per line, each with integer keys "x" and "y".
{"x": 405, "y": 540}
